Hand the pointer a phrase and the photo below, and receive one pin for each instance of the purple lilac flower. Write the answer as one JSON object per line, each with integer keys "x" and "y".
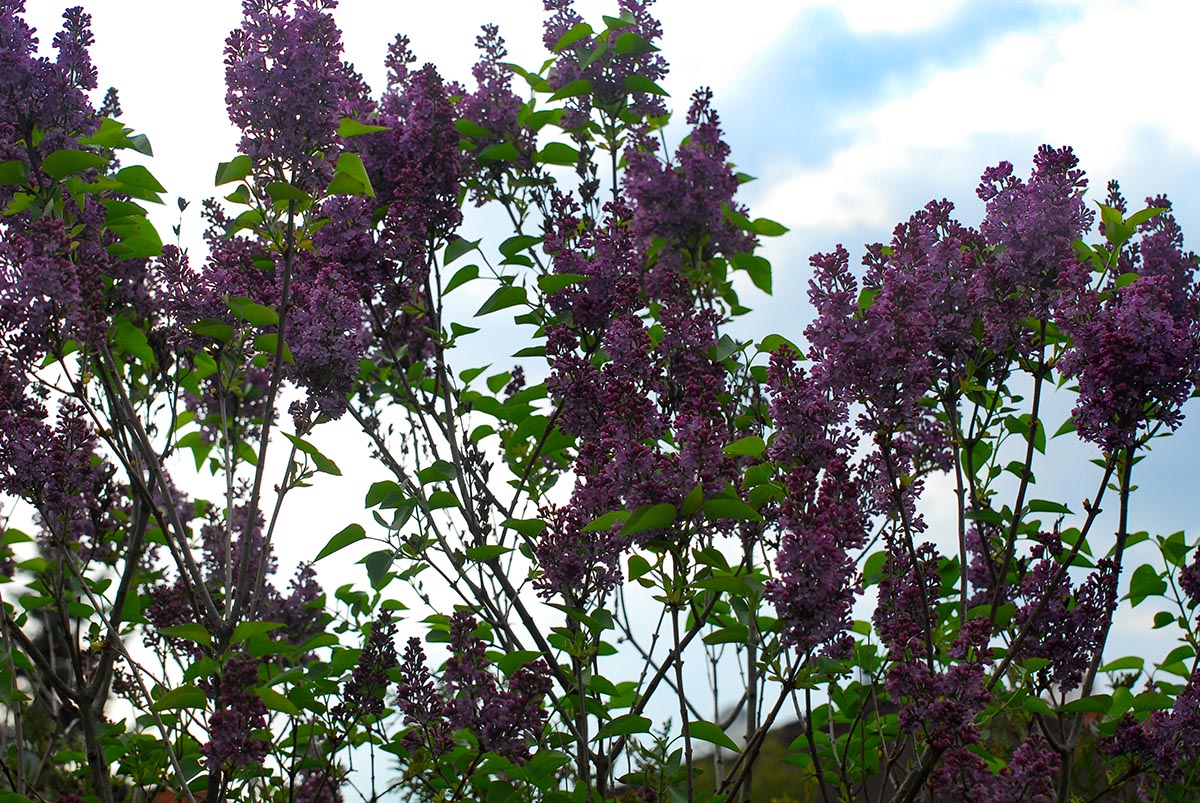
{"x": 39, "y": 94}
{"x": 496, "y": 110}
{"x": 1030, "y": 227}
{"x": 238, "y": 713}
{"x": 504, "y": 721}
{"x": 317, "y": 786}
{"x": 604, "y": 253}
{"x": 684, "y": 201}
{"x": 608, "y": 71}
{"x": 1071, "y": 623}
{"x": 421, "y": 702}
{"x": 818, "y": 578}
{"x": 288, "y": 87}
{"x": 1167, "y": 742}
{"x": 1135, "y": 349}
{"x": 327, "y": 336}
{"x": 365, "y": 692}
{"x": 575, "y": 563}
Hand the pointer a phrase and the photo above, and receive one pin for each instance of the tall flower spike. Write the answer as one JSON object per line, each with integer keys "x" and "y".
{"x": 288, "y": 87}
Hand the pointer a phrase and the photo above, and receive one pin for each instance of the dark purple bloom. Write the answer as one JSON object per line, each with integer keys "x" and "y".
{"x": 317, "y": 786}
{"x": 607, "y": 70}
{"x": 328, "y": 337}
{"x": 1071, "y": 624}
{"x": 238, "y": 713}
{"x": 1135, "y": 348}
{"x": 367, "y": 688}
{"x": 288, "y": 87}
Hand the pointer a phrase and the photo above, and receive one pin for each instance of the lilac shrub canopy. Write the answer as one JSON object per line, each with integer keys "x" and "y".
{"x": 555, "y": 548}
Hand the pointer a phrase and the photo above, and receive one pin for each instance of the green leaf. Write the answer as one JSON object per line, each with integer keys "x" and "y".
{"x": 750, "y": 446}
{"x": 606, "y": 522}
{"x": 771, "y": 344}
{"x": 580, "y": 86}
{"x": 187, "y": 696}
{"x": 282, "y": 191}
{"x": 457, "y": 247}
{"x": 1145, "y": 582}
{"x": 516, "y": 244}
{"x": 67, "y": 162}
{"x": 726, "y": 508}
{"x": 132, "y": 341}
{"x": 439, "y": 471}
{"x": 323, "y": 463}
{"x": 1144, "y": 216}
{"x": 708, "y": 732}
{"x": 211, "y": 327}
{"x": 139, "y": 177}
{"x": 650, "y": 517}
{"x": 234, "y": 170}
{"x": 554, "y": 282}
{"x": 252, "y": 312}
{"x": 269, "y": 344}
{"x": 379, "y": 566}
{"x": 1125, "y": 279}
{"x": 1044, "y": 506}
{"x": 248, "y": 630}
{"x": 1096, "y": 704}
{"x": 640, "y": 83}
{"x": 191, "y": 631}
{"x": 1152, "y": 701}
{"x": 350, "y": 534}
{"x": 349, "y": 127}
{"x": 623, "y": 726}
{"x": 530, "y": 528}
{"x": 580, "y": 30}
{"x": 470, "y": 128}
{"x": 461, "y": 277}
{"x": 482, "y": 554}
{"x": 758, "y": 268}
{"x": 557, "y": 153}
{"x": 500, "y": 152}
{"x": 13, "y": 172}
{"x": 1129, "y": 662}
{"x": 504, "y": 297}
{"x": 276, "y": 701}
{"x": 350, "y": 177}
{"x": 630, "y": 44}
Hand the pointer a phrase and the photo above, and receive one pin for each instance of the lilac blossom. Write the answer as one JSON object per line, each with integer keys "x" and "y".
{"x": 1030, "y": 227}
{"x": 1066, "y": 625}
{"x": 317, "y": 786}
{"x": 502, "y": 720}
{"x": 238, "y": 713}
{"x": 288, "y": 87}
{"x": 685, "y": 201}
{"x": 1135, "y": 348}
{"x": 328, "y": 337}
{"x": 365, "y": 692}
{"x": 495, "y": 110}
{"x": 607, "y": 71}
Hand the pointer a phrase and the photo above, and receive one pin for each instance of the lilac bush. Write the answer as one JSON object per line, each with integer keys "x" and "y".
{"x": 560, "y": 545}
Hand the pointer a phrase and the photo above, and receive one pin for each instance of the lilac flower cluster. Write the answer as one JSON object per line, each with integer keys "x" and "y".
{"x": 238, "y": 713}
{"x": 607, "y": 65}
{"x": 1030, "y": 228}
{"x": 1066, "y": 626}
{"x": 365, "y": 692}
{"x": 288, "y": 87}
{"x": 1167, "y": 742}
{"x": 940, "y": 703}
{"x": 685, "y": 202}
{"x": 496, "y": 111}
{"x": 1135, "y": 347}
{"x": 39, "y": 94}
{"x": 317, "y": 786}
{"x": 503, "y": 721}
{"x": 1029, "y": 775}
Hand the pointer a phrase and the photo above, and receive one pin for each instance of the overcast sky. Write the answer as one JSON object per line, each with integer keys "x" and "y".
{"x": 852, "y": 114}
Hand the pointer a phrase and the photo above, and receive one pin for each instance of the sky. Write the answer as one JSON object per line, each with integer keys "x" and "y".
{"x": 851, "y": 114}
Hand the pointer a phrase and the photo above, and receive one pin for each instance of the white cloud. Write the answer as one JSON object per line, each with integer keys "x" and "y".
{"x": 1103, "y": 84}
